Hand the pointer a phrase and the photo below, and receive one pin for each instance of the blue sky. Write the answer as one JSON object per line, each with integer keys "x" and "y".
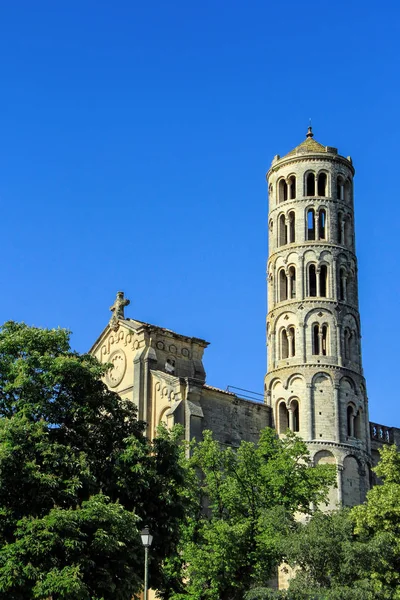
{"x": 134, "y": 142}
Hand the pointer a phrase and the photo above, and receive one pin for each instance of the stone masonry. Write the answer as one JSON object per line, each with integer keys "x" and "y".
{"x": 315, "y": 384}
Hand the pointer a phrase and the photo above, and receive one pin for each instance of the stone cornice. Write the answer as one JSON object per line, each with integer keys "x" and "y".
{"x": 313, "y": 366}
{"x": 308, "y": 158}
{"x": 311, "y": 200}
{"x": 333, "y": 247}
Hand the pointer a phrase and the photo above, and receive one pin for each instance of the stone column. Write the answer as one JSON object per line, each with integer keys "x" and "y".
{"x": 336, "y": 392}
{"x": 317, "y": 274}
{"x": 340, "y": 483}
{"x": 310, "y": 412}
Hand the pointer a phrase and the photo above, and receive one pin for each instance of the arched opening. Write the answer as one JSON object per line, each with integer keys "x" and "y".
{"x": 282, "y": 187}
{"x": 323, "y": 281}
{"x": 350, "y": 421}
{"x": 315, "y": 339}
{"x": 342, "y": 284}
{"x": 322, "y": 224}
{"x": 347, "y": 191}
{"x": 358, "y": 425}
{"x": 292, "y": 187}
{"x": 312, "y": 281}
{"x": 283, "y": 418}
{"x": 292, "y": 342}
{"x": 282, "y": 231}
{"x": 322, "y": 180}
{"x": 347, "y": 344}
{"x": 292, "y": 282}
{"x": 284, "y": 344}
{"x": 294, "y": 407}
{"x": 348, "y": 238}
{"x": 283, "y": 286}
{"x": 340, "y": 229}
{"x": 324, "y": 340}
{"x": 310, "y": 184}
{"x": 340, "y": 188}
{"x": 311, "y": 224}
{"x": 292, "y": 227}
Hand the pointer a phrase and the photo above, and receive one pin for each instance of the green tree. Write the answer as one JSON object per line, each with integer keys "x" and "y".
{"x": 250, "y": 497}
{"x": 352, "y": 554}
{"x": 78, "y": 479}
{"x": 378, "y": 522}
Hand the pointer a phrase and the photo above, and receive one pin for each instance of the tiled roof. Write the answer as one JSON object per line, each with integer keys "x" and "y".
{"x": 308, "y": 146}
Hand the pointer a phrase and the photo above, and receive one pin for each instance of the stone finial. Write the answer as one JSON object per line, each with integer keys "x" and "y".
{"x": 118, "y": 308}
{"x": 310, "y": 132}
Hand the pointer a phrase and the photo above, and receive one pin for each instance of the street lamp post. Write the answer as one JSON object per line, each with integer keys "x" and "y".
{"x": 146, "y": 541}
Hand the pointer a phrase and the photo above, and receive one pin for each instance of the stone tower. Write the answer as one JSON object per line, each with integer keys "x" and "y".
{"x": 315, "y": 384}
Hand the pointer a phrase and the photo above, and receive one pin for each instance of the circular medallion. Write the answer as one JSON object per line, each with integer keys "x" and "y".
{"x": 160, "y": 345}
{"x": 116, "y": 374}
{"x": 172, "y": 349}
{"x": 185, "y": 352}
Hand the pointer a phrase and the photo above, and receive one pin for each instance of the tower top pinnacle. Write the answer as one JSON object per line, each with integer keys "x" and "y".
{"x": 310, "y": 132}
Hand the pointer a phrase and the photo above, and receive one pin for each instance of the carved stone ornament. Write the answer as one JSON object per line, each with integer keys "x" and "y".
{"x": 116, "y": 374}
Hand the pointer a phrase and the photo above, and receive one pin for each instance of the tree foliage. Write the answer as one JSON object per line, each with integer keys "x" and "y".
{"x": 250, "y": 497}
{"x": 78, "y": 479}
{"x": 349, "y": 554}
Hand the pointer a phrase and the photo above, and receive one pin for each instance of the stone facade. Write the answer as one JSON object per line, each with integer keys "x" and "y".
{"x": 162, "y": 372}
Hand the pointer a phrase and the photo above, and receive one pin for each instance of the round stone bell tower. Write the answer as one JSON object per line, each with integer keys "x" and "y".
{"x": 315, "y": 384}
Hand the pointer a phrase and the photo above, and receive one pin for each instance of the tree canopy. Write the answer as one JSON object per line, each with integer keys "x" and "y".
{"x": 78, "y": 479}
{"x": 247, "y": 499}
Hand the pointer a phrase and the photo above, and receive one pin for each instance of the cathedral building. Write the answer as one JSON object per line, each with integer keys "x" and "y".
{"x": 314, "y": 384}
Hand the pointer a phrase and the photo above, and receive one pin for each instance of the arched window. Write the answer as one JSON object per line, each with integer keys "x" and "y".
{"x": 358, "y": 422}
{"x": 320, "y": 340}
{"x": 322, "y": 180}
{"x": 340, "y": 230}
{"x": 350, "y": 421}
{"x": 292, "y": 283}
{"x": 310, "y": 184}
{"x": 323, "y": 281}
{"x": 342, "y": 284}
{"x": 315, "y": 340}
{"x": 283, "y": 286}
{"x": 294, "y": 408}
{"x": 292, "y": 187}
{"x": 292, "y": 227}
{"x": 292, "y": 342}
{"x": 283, "y": 418}
{"x": 347, "y": 191}
{"x": 283, "y": 190}
{"x": 311, "y": 224}
{"x": 324, "y": 340}
{"x": 347, "y": 344}
{"x": 312, "y": 281}
{"x": 348, "y": 238}
{"x": 322, "y": 224}
{"x": 284, "y": 344}
{"x": 340, "y": 188}
{"x": 282, "y": 231}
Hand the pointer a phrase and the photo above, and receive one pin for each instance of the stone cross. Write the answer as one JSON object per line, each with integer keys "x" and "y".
{"x": 118, "y": 307}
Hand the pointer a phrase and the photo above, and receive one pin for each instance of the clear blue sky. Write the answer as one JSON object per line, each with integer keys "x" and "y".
{"x": 134, "y": 142}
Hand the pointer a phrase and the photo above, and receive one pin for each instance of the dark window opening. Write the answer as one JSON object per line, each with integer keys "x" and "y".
{"x": 312, "y": 280}
{"x": 310, "y": 184}
{"x": 311, "y": 224}
{"x": 322, "y": 224}
{"x": 322, "y": 179}
{"x": 323, "y": 281}
{"x": 315, "y": 345}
